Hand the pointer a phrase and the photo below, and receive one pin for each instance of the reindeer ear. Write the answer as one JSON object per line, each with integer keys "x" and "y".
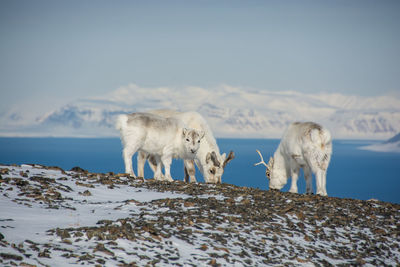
{"x": 185, "y": 130}
{"x": 271, "y": 162}
{"x": 201, "y": 134}
{"x": 215, "y": 159}
{"x": 208, "y": 157}
{"x": 223, "y": 156}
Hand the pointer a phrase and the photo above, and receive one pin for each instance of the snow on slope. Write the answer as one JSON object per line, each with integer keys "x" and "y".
{"x": 231, "y": 112}
{"x": 21, "y": 219}
{"x": 50, "y": 217}
{"x": 391, "y": 145}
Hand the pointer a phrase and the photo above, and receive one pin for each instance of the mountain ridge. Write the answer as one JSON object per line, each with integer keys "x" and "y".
{"x": 231, "y": 112}
{"x": 390, "y": 145}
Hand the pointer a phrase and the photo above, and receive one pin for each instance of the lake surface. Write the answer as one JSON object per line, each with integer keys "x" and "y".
{"x": 352, "y": 173}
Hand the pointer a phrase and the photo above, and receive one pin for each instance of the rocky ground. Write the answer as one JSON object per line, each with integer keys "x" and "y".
{"x": 52, "y": 217}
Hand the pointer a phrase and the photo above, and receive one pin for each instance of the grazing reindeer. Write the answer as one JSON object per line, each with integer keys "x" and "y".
{"x": 164, "y": 138}
{"x": 208, "y": 158}
{"x": 304, "y": 145}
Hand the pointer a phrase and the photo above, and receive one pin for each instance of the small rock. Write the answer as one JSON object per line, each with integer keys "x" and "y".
{"x": 63, "y": 233}
{"x": 4, "y": 171}
{"x": 204, "y": 247}
{"x": 213, "y": 262}
{"x": 85, "y": 193}
{"x": 83, "y": 184}
{"x": 79, "y": 170}
{"x": 188, "y": 204}
{"x": 9, "y": 256}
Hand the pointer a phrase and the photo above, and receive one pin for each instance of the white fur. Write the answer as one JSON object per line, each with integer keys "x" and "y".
{"x": 164, "y": 138}
{"x": 304, "y": 145}
{"x": 208, "y": 158}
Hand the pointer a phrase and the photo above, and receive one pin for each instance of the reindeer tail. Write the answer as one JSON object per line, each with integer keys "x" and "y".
{"x": 122, "y": 122}
{"x": 322, "y": 139}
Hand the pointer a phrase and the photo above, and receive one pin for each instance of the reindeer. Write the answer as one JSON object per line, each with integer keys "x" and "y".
{"x": 208, "y": 158}
{"x": 164, "y": 138}
{"x": 304, "y": 145}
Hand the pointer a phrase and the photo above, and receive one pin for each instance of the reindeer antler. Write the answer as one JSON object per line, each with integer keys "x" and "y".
{"x": 262, "y": 159}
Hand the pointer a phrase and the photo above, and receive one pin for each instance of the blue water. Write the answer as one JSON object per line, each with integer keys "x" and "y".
{"x": 353, "y": 173}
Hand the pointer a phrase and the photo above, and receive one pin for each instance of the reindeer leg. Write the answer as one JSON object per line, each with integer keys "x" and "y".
{"x": 153, "y": 161}
{"x": 320, "y": 183}
{"x": 166, "y": 161}
{"x": 186, "y": 178}
{"x": 324, "y": 183}
{"x": 190, "y": 171}
{"x": 295, "y": 176}
{"x": 141, "y": 160}
{"x": 308, "y": 177}
{"x": 127, "y": 155}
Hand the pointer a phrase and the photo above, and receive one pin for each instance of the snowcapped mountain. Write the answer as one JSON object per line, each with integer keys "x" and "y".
{"x": 391, "y": 145}
{"x": 230, "y": 111}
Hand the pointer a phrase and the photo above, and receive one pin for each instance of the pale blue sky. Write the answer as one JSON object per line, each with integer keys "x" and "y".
{"x": 63, "y": 50}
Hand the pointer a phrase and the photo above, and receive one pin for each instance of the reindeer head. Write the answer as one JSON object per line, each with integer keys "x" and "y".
{"x": 273, "y": 174}
{"x": 215, "y": 167}
{"x": 191, "y": 140}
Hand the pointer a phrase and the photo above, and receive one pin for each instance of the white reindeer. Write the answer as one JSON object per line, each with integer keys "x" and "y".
{"x": 304, "y": 145}
{"x": 208, "y": 158}
{"x": 164, "y": 138}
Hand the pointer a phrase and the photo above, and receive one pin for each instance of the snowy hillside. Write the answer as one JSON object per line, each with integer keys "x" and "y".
{"x": 52, "y": 217}
{"x": 231, "y": 112}
{"x": 391, "y": 145}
